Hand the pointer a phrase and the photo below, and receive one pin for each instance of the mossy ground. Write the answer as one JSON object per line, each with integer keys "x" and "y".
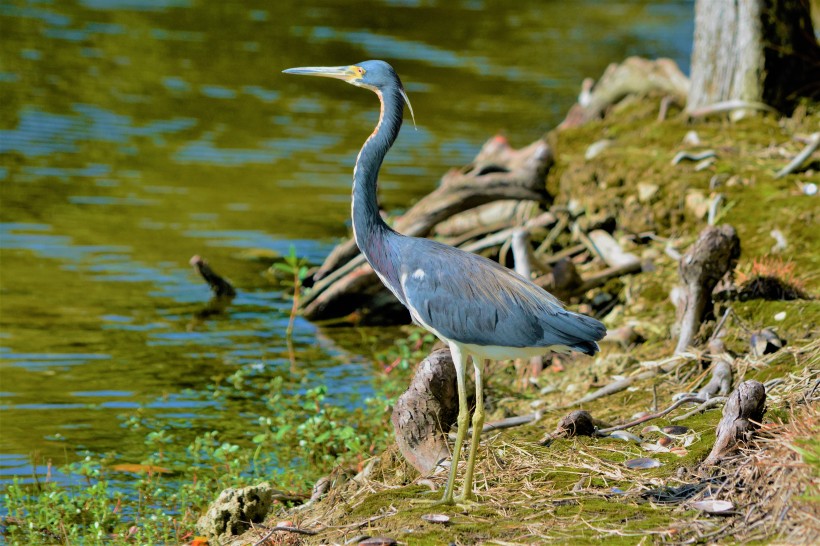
{"x": 578, "y": 490}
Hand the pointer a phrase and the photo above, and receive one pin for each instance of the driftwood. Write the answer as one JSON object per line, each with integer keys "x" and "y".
{"x": 345, "y": 282}
{"x": 742, "y": 416}
{"x": 712, "y": 256}
{"x": 426, "y": 410}
{"x": 634, "y": 76}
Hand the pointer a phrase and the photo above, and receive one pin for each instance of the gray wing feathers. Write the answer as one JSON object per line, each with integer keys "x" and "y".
{"x": 471, "y": 299}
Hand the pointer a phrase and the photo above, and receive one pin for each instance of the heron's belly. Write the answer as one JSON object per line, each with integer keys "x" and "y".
{"x": 497, "y": 352}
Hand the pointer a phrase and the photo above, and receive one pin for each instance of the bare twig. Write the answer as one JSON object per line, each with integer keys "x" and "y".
{"x": 612, "y": 388}
{"x": 283, "y": 528}
{"x": 794, "y": 164}
{"x": 649, "y": 417}
{"x": 705, "y": 405}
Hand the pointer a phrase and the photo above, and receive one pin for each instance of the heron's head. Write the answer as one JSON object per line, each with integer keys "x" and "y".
{"x": 378, "y": 76}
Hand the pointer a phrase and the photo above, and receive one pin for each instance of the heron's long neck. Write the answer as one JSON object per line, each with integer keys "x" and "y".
{"x": 369, "y": 229}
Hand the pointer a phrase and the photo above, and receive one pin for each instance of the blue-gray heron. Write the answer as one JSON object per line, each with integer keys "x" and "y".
{"x": 476, "y": 306}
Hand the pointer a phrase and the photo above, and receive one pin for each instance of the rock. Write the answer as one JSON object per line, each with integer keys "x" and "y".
{"x": 646, "y": 191}
{"x": 596, "y": 148}
{"x": 234, "y": 510}
{"x": 697, "y": 204}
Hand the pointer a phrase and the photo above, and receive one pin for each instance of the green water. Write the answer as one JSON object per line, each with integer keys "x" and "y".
{"x": 137, "y": 133}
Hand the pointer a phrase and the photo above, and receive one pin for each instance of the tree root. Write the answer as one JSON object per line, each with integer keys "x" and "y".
{"x": 742, "y": 416}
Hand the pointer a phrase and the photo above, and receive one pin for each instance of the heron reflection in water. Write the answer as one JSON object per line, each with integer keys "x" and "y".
{"x": 479, "y": 308}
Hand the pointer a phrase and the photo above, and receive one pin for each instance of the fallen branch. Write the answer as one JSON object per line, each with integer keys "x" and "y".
{"x": 794, "y": 164}
{"x": 728, "y": 106}
{"x": 284, "y": 528}
{"x": 612, "y": 388}
{"x": 649, "y": 417}
{"x": 705, "y": 405}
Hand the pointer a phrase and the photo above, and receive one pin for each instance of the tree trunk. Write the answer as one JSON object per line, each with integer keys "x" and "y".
{"x": 753, "y": 51}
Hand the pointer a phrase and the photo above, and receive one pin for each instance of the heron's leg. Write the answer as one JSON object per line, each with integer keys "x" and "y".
{"x": 460, "y": 362}
{"x": 478, "y": 425}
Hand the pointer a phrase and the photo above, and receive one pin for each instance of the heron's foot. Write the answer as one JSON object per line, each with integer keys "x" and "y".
{"x": 466, "y": 501}
{"x": 434, "y": 502}
{"x": 458, "y": 502}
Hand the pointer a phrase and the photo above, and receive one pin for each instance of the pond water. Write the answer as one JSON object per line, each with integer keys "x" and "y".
{"x": 137, "y": 133}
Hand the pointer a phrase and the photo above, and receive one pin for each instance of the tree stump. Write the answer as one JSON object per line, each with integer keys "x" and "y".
{"x": 741, "y": 417}
{"x": 753, "y": 51}
{"x": 424, "y": 413}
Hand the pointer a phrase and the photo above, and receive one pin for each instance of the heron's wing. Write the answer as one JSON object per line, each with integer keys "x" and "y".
{"x": 471, "y": 299}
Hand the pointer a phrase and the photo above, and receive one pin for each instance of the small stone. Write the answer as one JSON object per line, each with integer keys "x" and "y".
{"x": 780, "y": 316}
{"x": 713, "y": 506}
{"x": 810, "y": 189}
{"x": 646, "y": 191}
{"x": 691, "y": 138}
{"x": 596, "y": 148}
{"x": 642, "y": 463}
{"x": 436, "y": 518}
{"x": 697, "y": 204}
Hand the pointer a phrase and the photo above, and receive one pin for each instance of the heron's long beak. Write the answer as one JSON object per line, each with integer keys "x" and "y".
{"x": 346, "y": 73}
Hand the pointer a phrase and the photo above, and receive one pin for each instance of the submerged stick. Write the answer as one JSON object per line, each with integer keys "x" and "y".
{"x": 220, "y": 287}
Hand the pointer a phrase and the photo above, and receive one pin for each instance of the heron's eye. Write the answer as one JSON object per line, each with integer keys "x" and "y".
{"x": 360, "y": 71}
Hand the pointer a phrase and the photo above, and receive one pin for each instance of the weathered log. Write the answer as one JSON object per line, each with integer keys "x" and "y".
{"x": 604, "y": 245}
{"x": 426, "y": 410}
{"x": 742, "y": 415}
{"x": 345, "y": 283}
{"x": 712, "y": 256}
{"x": 634, "y": 76}
{"x": 494, "y": 216}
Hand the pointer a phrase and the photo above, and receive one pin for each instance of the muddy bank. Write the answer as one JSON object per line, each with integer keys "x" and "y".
{"x": 652, "y": 185}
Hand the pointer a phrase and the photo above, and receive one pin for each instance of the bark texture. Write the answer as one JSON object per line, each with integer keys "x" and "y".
{"x": 426, "y": 411}
{"x": 741, "y": 417}
{"x": 753, "y": 51}
{"x": 713, "y": 255}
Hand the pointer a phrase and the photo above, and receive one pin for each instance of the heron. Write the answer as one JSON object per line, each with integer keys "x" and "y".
{"x": 476, "y": 306}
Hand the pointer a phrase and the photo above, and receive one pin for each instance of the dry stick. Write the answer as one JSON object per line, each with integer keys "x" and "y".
{"x": 508, "y": 422}
{"x": 568, "y": 252}
{"x": 794, "y": 164}
{"x": 562, "y": 224}
{"x": 728, "y": 106}
{"x": 612, "y": 388}
{"x": 645, "y": 418}
{"x": 707, "y": 404}
{"x": 284, "y": 528}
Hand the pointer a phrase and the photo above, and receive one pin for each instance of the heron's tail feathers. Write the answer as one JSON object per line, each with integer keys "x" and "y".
{"x": 585, "y": 331}
{"x": 586, "y": 347}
